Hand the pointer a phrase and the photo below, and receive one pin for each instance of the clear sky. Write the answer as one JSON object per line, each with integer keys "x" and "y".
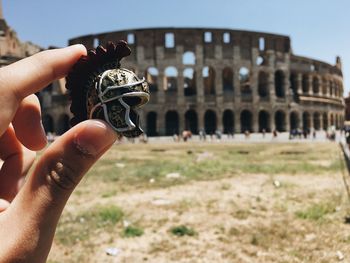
{"x": 318, "y": 28}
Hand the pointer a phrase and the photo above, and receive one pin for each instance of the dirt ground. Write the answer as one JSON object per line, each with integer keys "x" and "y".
{"x": 248, "y": 217}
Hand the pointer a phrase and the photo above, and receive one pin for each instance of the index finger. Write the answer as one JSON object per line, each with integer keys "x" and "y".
{"x": 31, "y": 74}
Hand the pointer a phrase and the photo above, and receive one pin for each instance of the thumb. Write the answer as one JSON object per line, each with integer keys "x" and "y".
{"x": 40, "y": 202}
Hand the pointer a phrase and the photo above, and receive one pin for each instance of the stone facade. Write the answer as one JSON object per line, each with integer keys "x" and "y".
{"x": 228, "y": 80}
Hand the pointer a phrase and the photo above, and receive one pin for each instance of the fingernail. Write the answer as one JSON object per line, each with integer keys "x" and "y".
{"x": 43, "y": 133}
{"x": 94, "y": 137}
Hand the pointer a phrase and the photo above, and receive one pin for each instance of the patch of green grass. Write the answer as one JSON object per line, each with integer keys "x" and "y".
{"x": 183, "y": 231}
{"x": 81, "y": 227}
{"x": 316, "y": 212}
{"x": 132, "y": 231}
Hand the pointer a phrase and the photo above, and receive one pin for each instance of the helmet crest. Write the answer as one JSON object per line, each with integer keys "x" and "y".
{"x": 100, "y": 89}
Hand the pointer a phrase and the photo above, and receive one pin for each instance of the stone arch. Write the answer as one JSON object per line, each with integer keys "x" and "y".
{"x": 152, "y": 78}
{"x": 210, "y": 121}
{"x": 246, "y": 121}
{"x": 190, "y": 88}
{"x": 293, "y": 79}
{"x": 294, "y": 120}
{"x": 263, "y": 84}
{"x": 208, "y": 74}
{"x": 317, "y": 121}
{"x": 279, "y": 84}
{"x": 264, "y": 121}
{"x": 48, "y": 123}
{"x": 189, "y": 58}
{"x": 191, "y": 121}
{"x": 244, "y": 80}
{"x": 325, "y": 121}
{"x": 170, "y": 79}
{"x": 152, "y": 124}
{"x": 171, "y": 123}
{"x": 331, "y": 118}
{"x": 228, "y": 121}
{"x": 315, "y": 85}
{"x": 305, "y": 83}
{"x": 280, "y": 121}
{"x": 227, "y": 79}
{"x": 63, "y": 124}
{"x": 306, "y": 121}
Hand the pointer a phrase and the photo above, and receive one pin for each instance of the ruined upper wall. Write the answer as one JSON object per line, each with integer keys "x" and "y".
{"x": 189, "y": 38}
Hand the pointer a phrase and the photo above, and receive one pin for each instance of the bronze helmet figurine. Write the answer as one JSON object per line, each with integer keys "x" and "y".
{"x": 100, "y": 89}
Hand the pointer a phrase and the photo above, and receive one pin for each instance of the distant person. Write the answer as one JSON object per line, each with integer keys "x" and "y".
{"x": 263, "y": 133}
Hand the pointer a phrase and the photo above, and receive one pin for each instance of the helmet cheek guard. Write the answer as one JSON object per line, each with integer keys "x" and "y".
{"x": 120, "y": 94}
{"x": 111, "y": 93}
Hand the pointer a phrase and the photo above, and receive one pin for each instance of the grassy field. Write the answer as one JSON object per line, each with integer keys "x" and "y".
{"x": 209, "y": 203}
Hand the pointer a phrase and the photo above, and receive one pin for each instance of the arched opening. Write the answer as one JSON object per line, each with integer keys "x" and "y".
{"x": 294, "y": 120}
{"x": 263, "y": 81}
{"x": 246, "y": 121}
{"x": 244, "y": 80}
{"x": 209, "y": 80}
{"x": 189, "y": 58}
{"x": 315, "y": 85}
{"x": 210, "y": 122}
{"x": 170, "y": 79}
{"x": 227, "y": 79}
{"x": 293, "y": 79}
{"x": 305, "y": 83}
{"x": 191, "y": 121}
{"x": 306, "y": 121}
{"x": 189, "y": 82}
{"x": 63, "y": 124}
{"x": 48, "y": 123}
{"x": 317, "y": 121}
{"x": 171, "y": 123}
{"x": 264, "y": 121}
{"x": 280, "y": 121}
{"x": 152, "y": 124}
{"x": 279, "y": 84}
{"x": 325, "y": 121}
{"x": 152, "y": 78}
{"x": 228, "y": 121}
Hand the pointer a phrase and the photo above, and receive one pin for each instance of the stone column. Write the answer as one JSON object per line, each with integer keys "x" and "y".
{"x": 320, "y": 87}
{"x": 309, "y": 84}
{"x": 181, "y": 121}
{"x": 321, "y": 122}
{"x": 160, "y": 84}
{"x": 219, "y": 123}
{"x": 180, "y": 86}
{"x": 255, "y": 120}
{"x": 300, "y": 83}
{"x": 287, "y": 121}
{"x": 218, "y": 86}
{"x": 161, "y": 122}
{"x": 200, "y": 119}
{"x": 272, "y": 121}
{"x": 236, "y": 65}
{"x": 237, "y": 122}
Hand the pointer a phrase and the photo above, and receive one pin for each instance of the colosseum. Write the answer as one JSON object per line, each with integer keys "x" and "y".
{"x": 221, "y": 79}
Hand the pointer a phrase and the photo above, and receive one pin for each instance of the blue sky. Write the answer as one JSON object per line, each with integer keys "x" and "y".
{"x": 318, "y": 28}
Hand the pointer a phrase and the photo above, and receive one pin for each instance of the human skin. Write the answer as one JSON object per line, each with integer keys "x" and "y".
{"x": 31, "y": 204}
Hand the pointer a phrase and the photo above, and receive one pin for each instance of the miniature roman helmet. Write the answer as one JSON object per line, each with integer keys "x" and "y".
{"x": 100, "y": 89}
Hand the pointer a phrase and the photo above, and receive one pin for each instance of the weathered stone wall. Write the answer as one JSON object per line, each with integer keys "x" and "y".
{"x": 280, "y": 91}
